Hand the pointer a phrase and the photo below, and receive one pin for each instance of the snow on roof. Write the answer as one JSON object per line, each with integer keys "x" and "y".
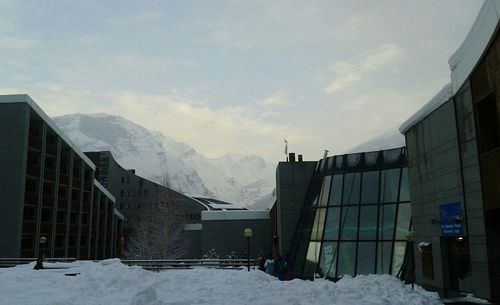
{"x": 439, "y": 99}
{"x": 465, "y": 58}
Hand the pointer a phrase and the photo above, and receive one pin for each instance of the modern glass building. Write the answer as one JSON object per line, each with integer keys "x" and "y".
{"x": 355, "y": 217}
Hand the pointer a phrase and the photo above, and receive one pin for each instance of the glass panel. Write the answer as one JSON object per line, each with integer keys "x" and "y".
{"x": 325, "y": 190}
{"x": 353, "y": 159}
{"x": 311, "y": 259}
{"x": 371, "y": 158}
{"x": 328, "y": 260}
{"x": 305, "y": 234}
{"x": 387, "y": 217}
{"x": 319, "y": 223}
{"x": 314, "y": 193}
{"x": 366, "y": 258}
{"x": 349, "y": 223}
{"x": 347, "y": 257}
{"x": 383, "y": 257}
{"x": 398, "y": 256}
{"x": 330, "y": 163}
{"x": 404, "y": 194}
{"x": 389, "y": 185}
{"x": 403, "y": 224}
{"x": 392, "y": 155}
{"x": 332, "y": 224}
{"x": 338, "y": 161}
{"x": 368, "y": 223}
{"x": 351, "y": 188}
{"x": 369, "y": 193}
{"x": 336, "y": 191}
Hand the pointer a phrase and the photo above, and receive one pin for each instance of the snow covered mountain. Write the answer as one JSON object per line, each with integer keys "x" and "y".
{"x": 242, "y": 179}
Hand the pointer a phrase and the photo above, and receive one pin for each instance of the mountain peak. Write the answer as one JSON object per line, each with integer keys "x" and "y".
{"x": 233, "y": 177}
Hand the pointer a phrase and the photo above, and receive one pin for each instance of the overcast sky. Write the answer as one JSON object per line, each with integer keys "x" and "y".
{"x": 236, "y": 76}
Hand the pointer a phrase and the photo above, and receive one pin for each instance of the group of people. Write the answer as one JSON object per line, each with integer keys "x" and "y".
{"x": 281, "y": 267}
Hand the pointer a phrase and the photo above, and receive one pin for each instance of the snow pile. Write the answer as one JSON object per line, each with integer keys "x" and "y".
{"x": 109, "y": 282}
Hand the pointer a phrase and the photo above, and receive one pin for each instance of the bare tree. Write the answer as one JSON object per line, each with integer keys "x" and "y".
{"x": 158, "y": 229}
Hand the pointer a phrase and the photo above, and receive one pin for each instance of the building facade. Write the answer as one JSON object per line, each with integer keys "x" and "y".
{"x": 453, "y": 144}
{"x": 48, "y": 190}
{"x": 355, "y": 215}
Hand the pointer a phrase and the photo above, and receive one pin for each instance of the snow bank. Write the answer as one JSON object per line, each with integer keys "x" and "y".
{"x": 110, "y": 282}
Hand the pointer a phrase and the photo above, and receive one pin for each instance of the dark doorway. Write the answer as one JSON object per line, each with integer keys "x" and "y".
{"x": 459, "y": 264}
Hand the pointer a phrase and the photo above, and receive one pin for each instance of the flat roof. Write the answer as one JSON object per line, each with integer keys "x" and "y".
{"x": 235, "y": 215}
{"x": 24, "y": 98}
{"x": 104, "y": 190}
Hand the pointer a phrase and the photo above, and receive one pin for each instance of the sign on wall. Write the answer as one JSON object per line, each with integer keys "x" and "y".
{"x": 451, "y": 219}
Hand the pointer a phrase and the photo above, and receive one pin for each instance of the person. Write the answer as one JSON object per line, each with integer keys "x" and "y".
{"x": 288, "y": 273}
{"x": 261, "y": 260}
{"x": 280, "y": 267}
{"x": 269, "y": 265}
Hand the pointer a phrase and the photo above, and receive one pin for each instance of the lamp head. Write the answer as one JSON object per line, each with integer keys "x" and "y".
{"x": 247, "y": 232}
{"x": 43, "y": 240}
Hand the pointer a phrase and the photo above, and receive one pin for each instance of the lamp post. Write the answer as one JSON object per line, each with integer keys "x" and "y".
{"x": 41, "y": 250}
{"x": 248, "y": 233}
{"x": 410, "y": 238}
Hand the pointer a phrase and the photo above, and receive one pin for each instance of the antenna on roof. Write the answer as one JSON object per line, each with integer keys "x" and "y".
{"x": 325, "y": 154}
{"x": 286, "y": 149}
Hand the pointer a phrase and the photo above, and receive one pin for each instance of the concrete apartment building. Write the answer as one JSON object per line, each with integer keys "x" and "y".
{"x": 48, "y": 189}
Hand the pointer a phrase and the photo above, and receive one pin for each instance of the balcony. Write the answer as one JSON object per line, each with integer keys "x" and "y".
{"x": 62, "y": 204}
{"x": 48, "y": 201}
{"x": 34, "y": 142}
{"x": 29, "y": 227}
{"x": 50, "y": 149}
{"x": 63, "y": 179}
{"x": 76, "y": 183}
{"x": 49, "y": 175}
{"x": 31, "y": 198}
{"x": 33, "y": 170}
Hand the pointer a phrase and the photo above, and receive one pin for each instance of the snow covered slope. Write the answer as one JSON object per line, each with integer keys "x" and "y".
{"x": 242, "y": 179}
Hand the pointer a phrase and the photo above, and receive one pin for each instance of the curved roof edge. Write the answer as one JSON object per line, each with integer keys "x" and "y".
{"x": 466, "y": 57}
{"x": 444, "y": 95}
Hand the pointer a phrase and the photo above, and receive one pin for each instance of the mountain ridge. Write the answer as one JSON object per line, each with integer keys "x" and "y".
{"x": 233, "y": 177}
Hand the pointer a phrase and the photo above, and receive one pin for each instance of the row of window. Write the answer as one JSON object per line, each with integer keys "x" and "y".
{"x": 372, "y": 187}
{"x": 132, "y": 193}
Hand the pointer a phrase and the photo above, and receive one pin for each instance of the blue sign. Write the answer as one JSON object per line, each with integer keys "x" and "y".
{"x": 451, "y": 219}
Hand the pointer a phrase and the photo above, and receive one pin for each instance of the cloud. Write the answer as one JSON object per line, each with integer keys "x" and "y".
{"x": 348, "y": 73}
{"x": 275, "y": 101}
{"x": 16, "y": 44}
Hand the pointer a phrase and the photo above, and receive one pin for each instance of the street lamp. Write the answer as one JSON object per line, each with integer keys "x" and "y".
{"x": 41, "y": 250}
{"x": 248, "y": 233}
{"x": 410, "y": 238}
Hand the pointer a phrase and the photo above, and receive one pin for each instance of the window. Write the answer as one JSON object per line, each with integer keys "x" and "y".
{"x": 370, "y": 187}
{"x": 347, "y": 258}
{"x": 46, "y": 215}
{"x": 389, "y": 185}
{"x": 349, "y": 223}
{"x": 332, "y": 224}
{"x": 366, "y": 257}
{"x": 487, "y": 119}
{"x": 336, "y": 190}
{"x": 351, "y": 188}
{"x": 123, "y": 179}
{"x": 327, "y": 264}
{"x": 368, "y": 222}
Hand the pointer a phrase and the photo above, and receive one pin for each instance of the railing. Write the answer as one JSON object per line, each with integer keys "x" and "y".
{"x": 163, "y": 264}
{"x": 150, "y": 264}
{"x": 11, "y": 262}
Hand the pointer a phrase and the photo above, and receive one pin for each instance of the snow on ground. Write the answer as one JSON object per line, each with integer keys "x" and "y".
{"x": 110, "y": 282}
